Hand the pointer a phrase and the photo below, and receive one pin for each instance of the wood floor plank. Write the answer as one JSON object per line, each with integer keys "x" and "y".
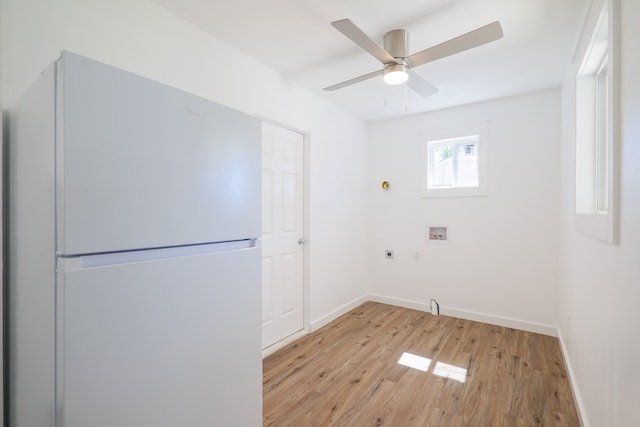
{"x": 347, "y": 374}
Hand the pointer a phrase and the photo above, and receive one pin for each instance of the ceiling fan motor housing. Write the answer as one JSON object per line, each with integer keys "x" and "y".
{"x": 396, "y": 42}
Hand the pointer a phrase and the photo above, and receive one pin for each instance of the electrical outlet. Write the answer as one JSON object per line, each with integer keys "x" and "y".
{"x": 388, "y": 254}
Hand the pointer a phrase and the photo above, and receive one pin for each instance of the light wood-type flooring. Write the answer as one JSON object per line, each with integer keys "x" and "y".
{"x": 347, "y": 374}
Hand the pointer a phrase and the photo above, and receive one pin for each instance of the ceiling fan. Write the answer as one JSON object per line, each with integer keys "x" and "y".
{"x": 397, "y": 63}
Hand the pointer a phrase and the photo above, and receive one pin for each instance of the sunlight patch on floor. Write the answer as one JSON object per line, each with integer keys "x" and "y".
{"x": 413, "y": 361}
{"x": 441, "y": 369}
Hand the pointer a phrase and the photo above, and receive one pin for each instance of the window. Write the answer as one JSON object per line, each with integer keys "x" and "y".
{"x": 456, "y": 162}
{"x": 602, "y": 124}
{"x": 596, "y": 125}
{"x": 453, "y": 162}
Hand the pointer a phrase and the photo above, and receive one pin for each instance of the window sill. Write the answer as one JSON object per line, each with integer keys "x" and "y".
{"x": 598, "y": 226}
{"x": 455, "y": 192}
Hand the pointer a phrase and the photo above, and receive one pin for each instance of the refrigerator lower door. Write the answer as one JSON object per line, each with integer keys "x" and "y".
{"x": 161, "y": 342}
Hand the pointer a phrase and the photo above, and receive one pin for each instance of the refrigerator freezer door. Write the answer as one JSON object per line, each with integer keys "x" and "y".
{"x": 167, "y": 342}
{"x": 144, "y": 165}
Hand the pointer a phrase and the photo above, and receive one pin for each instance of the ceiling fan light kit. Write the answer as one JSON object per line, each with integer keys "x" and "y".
{"x": 397, "y": 63}
{"x": 395, "y": 74}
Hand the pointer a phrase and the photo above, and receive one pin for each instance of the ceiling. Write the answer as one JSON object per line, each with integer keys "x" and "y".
{"x": 295, "y": 38}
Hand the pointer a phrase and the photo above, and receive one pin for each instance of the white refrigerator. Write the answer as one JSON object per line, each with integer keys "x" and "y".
{"x": 133, "y": 259}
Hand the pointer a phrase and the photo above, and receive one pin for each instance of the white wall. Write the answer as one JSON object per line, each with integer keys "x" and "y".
{"x": 1, "y": 218}
{"x": 599, "y": 318}
{"x": 502, "y": 260}
{"x": 141, "y": 37}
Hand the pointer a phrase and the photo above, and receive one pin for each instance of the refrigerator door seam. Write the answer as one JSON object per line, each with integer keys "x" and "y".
{"x": 70, "y": 263}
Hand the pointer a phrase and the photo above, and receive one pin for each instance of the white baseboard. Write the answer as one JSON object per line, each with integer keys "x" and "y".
{"x": 283, "y": 343}
{"x": 470, "y": 315}
{"x": 399, "y": 302}
{"x": 330, "y": 317}
{"x": 577, "y": 397}
{"x": 500, "y": 321}
{"x": 314, "y": 325}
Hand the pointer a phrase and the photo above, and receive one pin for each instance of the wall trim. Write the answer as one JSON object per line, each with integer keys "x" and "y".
{"x": 575, "y": 390}
{"x": 268, "y": 351}
{"x": 333, "y": 315}
{"x": 471, "y": 315}
{"x": 414, "y": 305}
{"x": 507, "y": 322}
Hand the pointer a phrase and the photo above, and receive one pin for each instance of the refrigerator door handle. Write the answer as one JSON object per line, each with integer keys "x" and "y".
{"x": 71, "y": 263}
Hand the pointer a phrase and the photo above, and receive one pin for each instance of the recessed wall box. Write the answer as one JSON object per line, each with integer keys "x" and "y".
{"x": 438, "y": 233}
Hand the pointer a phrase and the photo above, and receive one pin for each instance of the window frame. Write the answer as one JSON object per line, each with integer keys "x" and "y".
{"x": 453, "y": 144}
{"x": 438, "y": 137}
{"x": 601, "y": 138}
{"x": 597, "y": 123}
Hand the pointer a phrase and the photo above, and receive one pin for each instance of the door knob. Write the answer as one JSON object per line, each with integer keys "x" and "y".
{"x": 301, "y": 241}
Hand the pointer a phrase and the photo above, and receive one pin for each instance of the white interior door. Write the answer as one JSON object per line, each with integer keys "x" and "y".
{"x": 282, "y": 233}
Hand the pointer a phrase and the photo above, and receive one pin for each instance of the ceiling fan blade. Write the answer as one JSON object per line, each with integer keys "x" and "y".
{"x": 354, "y": 80}
{"x": 475, "y": 38}
{"x": 420, "y": 85}
{"x": 349, "y": 29}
